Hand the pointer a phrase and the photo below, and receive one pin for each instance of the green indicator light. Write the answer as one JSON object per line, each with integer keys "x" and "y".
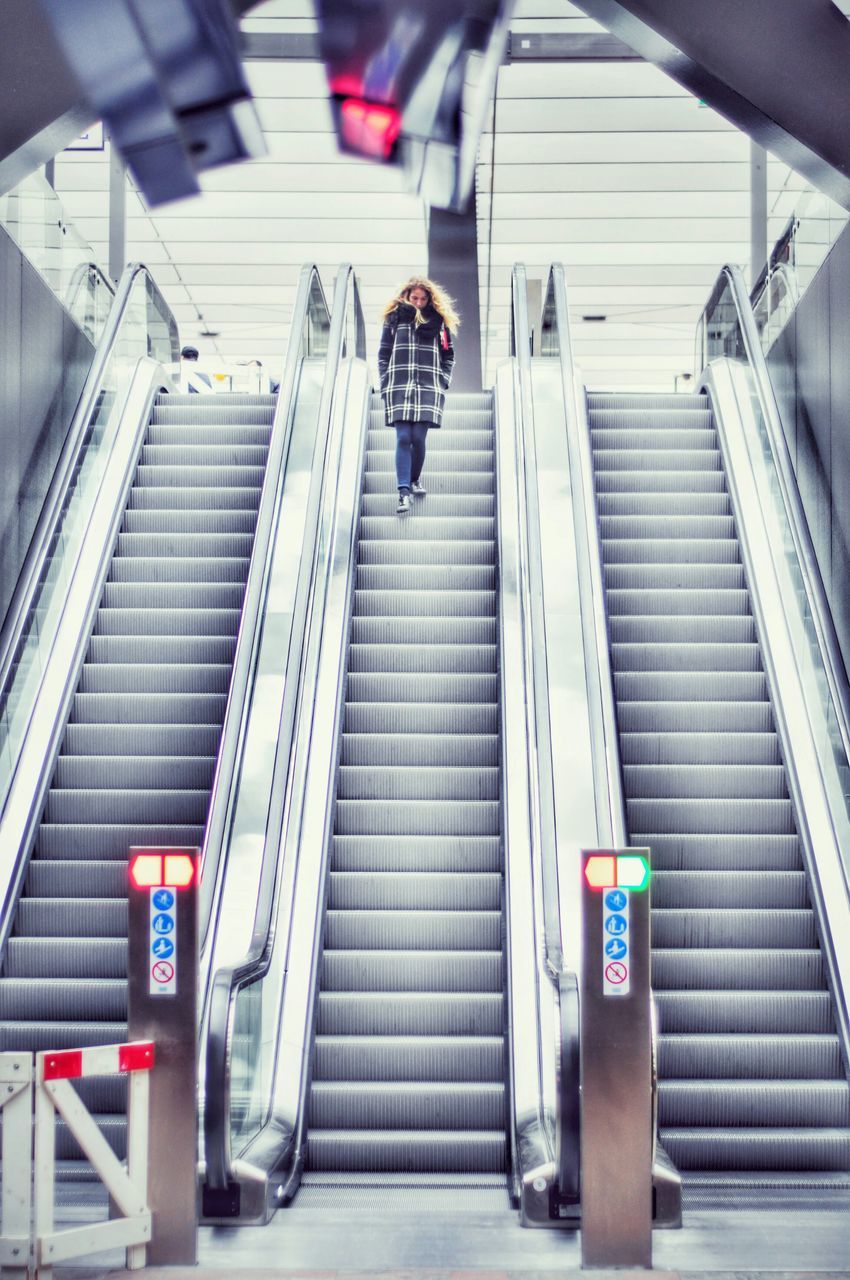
{"x": 632, "y": 871}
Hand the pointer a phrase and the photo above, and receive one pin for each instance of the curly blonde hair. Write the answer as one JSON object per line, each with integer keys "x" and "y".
{"x": 442, "y": 303}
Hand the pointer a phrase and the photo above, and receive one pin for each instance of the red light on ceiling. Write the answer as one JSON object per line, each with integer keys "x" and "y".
{"x": 175, "y": 869}
{"x": 146, "y": 870}
{"x": 179, "y": 870}
{"x": 369, "y": 128}
{"x": 600, "y": 871}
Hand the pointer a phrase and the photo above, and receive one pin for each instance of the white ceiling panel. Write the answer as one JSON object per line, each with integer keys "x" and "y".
{"x": 544, "y": 179}
{"x": 622, "y": 146}
{"x": 660, "y": 232}
{"x": 607, "y": 115}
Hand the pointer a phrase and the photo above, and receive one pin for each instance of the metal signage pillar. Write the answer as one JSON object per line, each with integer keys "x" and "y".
{"x": 162, "y": 974}
{"x": 616, "y": 1066}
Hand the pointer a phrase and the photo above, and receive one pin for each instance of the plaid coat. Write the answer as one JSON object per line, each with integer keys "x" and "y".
{"x": 415, "y": 370}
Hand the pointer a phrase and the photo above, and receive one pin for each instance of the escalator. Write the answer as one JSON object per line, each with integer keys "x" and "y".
{"x": 408, "y": 1072}
{"x": 753, "y": 1092}
{"x": 137, "y": 760}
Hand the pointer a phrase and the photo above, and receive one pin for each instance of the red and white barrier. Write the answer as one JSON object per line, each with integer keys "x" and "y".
{"x": 33, "y": 1248}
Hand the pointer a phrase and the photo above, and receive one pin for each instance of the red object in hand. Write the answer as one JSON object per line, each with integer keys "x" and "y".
{"x": 369, "y": 127}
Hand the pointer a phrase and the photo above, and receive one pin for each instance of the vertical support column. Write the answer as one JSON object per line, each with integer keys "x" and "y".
{"x": 758, "y": 210}
{"x": 117, "y": 212}
{"x": 453, "y": 263}
{"x": 16, "y": 1077}
{"x": 162, "y": 974}
{"x": 616, "y": 1062}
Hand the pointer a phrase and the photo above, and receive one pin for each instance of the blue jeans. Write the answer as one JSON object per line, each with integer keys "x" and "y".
{"x": 409, "y": 452}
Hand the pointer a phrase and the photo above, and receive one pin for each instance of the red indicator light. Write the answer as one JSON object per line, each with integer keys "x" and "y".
{"x": 346, "y": 85}
{"x": 600, "y": 871}
{"x": 136, "y": 1057}
{"x": 146, "y": 870}
{"x": 179, "y": 870}
{"x": 64, "y": 1066}
{"x": 369, "y": 128}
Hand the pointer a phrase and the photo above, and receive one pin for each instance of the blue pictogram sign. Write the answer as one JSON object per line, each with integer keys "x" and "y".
{"x": 163, "y": 900}
{"x": 165, "y": 924}
{"x": 616, "y": 925}
{"x": 616, "y": 949}
{"x": 615, "y": 900}
{"x": 162, "y": 948}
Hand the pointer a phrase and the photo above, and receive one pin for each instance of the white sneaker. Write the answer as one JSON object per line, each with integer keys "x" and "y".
{"x": 418, "y": 490}
{"x": 403, "y": 504}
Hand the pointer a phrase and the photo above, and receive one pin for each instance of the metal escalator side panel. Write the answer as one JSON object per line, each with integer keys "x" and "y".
{"x": 814, "y": 765}
{"x": 267, "y": 1084}
{"x": 62, "y": 664}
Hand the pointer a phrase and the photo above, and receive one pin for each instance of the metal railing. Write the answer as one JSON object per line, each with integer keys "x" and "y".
{"x": 140, "y": 328}
{"x": 245, "y": 993}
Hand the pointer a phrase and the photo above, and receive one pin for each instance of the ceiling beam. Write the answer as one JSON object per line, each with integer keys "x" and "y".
{"x": 775, "y": 68}
{"x": 523, "y": 46}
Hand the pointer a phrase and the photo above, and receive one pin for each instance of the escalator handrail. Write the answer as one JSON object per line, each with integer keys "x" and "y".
{"x": 227, "y": 982}
{"x": 531, "y": 588}
{"x": 732, "y": 277}
{"x": 605, "y": 742}
{"x": 234, "y": 726}
{"x": 30, "y": 576}
{"x": 83, "y": 272}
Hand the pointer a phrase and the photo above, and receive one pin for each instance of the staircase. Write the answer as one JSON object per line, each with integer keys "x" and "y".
{"x": 752, "y": 1086}
{"x": 137, "y": 761}
{"x": 409, "y": 1060}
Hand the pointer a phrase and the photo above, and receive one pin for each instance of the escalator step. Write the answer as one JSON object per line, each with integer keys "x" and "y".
{"x": 426, "y": 687}
{"x": 160, "y": 773}
{"x": 196, "y": 570}
{"x": 200, "y": 545}
{"x": 38, "y": 1037}
{"x": 428, "y": 1106}
{"x": 446, "y": 551}
{"x": 700, "y": 749}
{"x": 679, "y": 657}
{"x": 75, "y": 957}
{"x": 420, "y": 853}
{"x": 156, "y": 709}
{"x": 422, "y": 971}
{"x": 418, "y": 817}
{"x": 655, "y": 459}
{"x": 207, "y": 521}
{"x": 735, "y": 817}
{"x": 625, "y": 439}
{"x": 424, "y": 604}
{"x": 182, "y": 806}
{"x": 660, "y": 483}
{"x": 731, "y": 853}
{"x": 621, "y": 549}
{"x": 679, "y": 717}
{"x": 690, "y": 601}
{"x": 671, "y": 629}
{"x": 439, "y": 460}
{"x": 462, "y": 524}
{"x": 212, "y": 502}
{"x": 417, "y": 783}
{"x": 72, "y": 918}
{"x": 788, "y": 1148}
{"x": 218, "y": 434}
{"x": 702, "y": 781}
{"x": 449, "y": 442}
{"x": 701, "y": 968}
{"x": 390, "y": 630}
{"x": 72, "y": 878}
{"x": 150, "y": 621}
{"x": 674, "y": 577}
{"x": 755, "y": 1012}
{"x": 425, "y": 512}
{"x": 112, "y": 839}
{"x": 216, "y": 409}
{"x": 410, "y": 890}
{"x": 722, "y": 1103}
{"x": 173, "y": 595}
{"x": 423, "y": 717}
{"x": 725, "y": 928}
{"x": 414, "y": 930}
{"x": 420, "y": 749}
{"x": 155, "y": 678}
{"x": 76, "y": 999}
{"x": 426, "y": 578}
{"x": 156, "y": 650}
{"x": 381, "y": 1013}
{"x": 406, "y": 1151}
{"x": 752, "y": 1057}
{"x": 415, "y": 1058}
{"x": 764, "y": 890}
{"x": 198, "y": 476}
{"x": 237, "y": 455}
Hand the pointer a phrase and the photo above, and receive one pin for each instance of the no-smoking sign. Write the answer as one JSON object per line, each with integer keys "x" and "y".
{"x": 616, "y": 973}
